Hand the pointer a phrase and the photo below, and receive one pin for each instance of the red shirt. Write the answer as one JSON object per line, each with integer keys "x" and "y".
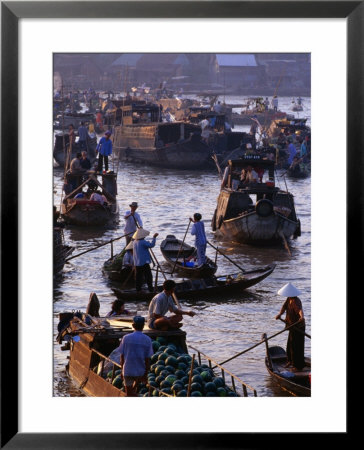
{"x": 292, "y": 306}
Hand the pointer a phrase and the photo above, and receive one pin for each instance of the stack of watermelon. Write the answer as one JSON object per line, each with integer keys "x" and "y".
{"x": 169, "y": 374}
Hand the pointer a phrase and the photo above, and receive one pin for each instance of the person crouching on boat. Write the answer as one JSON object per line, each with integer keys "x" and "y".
{"x": 296, "y": 337}
{"x": 117, "y": 309}
{"x": 159, "y": 307}
{"x": 135, "y": 353}
{"x": 198, "y": 230}
{"x": 142, "y": 259}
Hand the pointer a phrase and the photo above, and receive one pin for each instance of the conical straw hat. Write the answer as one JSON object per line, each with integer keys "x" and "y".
{"x": 288, "y": 290}
{"x": 141, "y": 233}
{"x": 130, "y": 246}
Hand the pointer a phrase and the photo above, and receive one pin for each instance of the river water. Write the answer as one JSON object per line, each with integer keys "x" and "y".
{"x": 221, "y": 327}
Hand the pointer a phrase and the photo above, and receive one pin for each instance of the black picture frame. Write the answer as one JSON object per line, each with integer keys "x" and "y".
{"x": 11, "y": 12}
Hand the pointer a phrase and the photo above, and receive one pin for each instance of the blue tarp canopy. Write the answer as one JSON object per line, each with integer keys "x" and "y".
{"x": 236, "y": 60}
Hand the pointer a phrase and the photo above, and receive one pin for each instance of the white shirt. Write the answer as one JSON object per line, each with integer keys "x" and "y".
{"x": 130, "y": 222}
{"x": 252, "y": 176}
{"x": 204, "y": 123}
{"x": 160, "y": 304}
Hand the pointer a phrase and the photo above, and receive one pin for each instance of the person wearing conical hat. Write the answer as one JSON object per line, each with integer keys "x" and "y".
{"x": 142, "y": 259}
{"x": 296, "y": 337}
{"x": 132, "y": 221}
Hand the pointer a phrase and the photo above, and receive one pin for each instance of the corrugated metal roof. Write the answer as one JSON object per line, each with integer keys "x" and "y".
{"x": 129, "y": 59}
{"x": 236, "y": 60}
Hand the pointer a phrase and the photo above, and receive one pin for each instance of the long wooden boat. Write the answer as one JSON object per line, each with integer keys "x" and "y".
{"x": 172, "y": 248}
{"x": 176, "y": 145}
{"x": 74, "y": 119}
{"x": 297, "y": 383}
{"x": 94, "y": 360}
{"x": 86, "y": 212}
{"x": 264, "y": 117}
{"x": 204, "y": 287}
{"x": 60, "y": 151}
{"x": 258, "y": 213}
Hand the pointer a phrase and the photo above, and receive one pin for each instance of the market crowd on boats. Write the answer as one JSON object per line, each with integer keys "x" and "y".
{"x": 183, "y": 134}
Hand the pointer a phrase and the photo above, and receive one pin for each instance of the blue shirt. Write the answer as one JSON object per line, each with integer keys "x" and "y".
{"x": 82, "y": 133}
{"x": 292, "y": 153}
{"x": 140, "y": 251}
{"x": 198, "y": 230}
{"x": 135, "y": 348}
{"x": 303, "y": 149}
{"x": 104, "y": 147}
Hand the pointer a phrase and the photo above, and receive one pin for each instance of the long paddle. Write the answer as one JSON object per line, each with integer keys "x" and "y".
{"x": 256, "y": 345}
{"x": 98, "y": 246}
{"x": 179, "y": 251}
{"x": 297, "y": 329}
{"x": 223, "y": 254}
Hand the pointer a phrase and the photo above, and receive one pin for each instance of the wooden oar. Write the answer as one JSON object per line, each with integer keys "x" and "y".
{"x": 256, "y": 345}
{"x": 223, "y": 254}
{"x": 179, "y": 251}
{"x": 98, "y": 246}
{"x": 297, "y": 329}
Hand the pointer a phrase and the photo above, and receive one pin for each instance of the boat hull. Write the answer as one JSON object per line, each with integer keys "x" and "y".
{"x": 89, "y": 214}
{"x": 171, "y": 250}
{"x": 254, "y": 229}
{"x": 204, "y": 288}
{"x": 188, "y": 155}
{"x": 296, "y": 383}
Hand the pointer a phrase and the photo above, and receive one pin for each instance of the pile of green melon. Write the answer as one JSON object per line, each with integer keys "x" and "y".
{"x": 169, "y": 374}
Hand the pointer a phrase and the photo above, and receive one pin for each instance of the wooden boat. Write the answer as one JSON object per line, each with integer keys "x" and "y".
{"x": 86, "y": 212}
{"x": 297, "y": 383}
{"x": 293, "y": 125}
{"x": 89, "y": 340}
{"x": 60, "y": 250}
{"x": 91, "y": 348}
{"x": 302, "y": 172}
{"x": 61, "y": 146}
{"x": 176, "y": 145}
{"x": 74, "y": 119}
{"x": 264, "y": 117}
{"x": 258, "y": 213}
{"x": 171, "y": 250}
{"x": 204, "y": 287}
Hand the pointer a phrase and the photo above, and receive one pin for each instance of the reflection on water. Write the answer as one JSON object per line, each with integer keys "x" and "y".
{"x": 222, "y": 327}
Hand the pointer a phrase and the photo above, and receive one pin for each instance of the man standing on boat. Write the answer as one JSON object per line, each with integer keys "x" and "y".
{"x": 82, "y": 136}
{"x": 275, "y": 103}
{"x": 142, "y": 259}
{"x": 198, "y": 230}
{"x": 104, "y": 148}
{"x": 296, "y": 337}
{"x": 135, "y": 353}
{"x": 132, "y": 221}
{"x": 159, "y": 307}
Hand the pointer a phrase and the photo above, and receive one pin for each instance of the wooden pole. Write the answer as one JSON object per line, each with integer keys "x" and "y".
{"x": 258, "y": 343}
{"x": 98, "y": 246}
{"x": 179, "y": 251}
{"x": 297, "y": 329}
{"x": 223, "y": 254}
{"x": 190, "y": 377}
